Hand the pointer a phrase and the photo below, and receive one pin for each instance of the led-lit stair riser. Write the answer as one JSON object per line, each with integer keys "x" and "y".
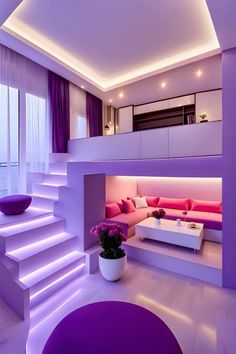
{"x": 43, "y": 202}
{"x": 43, "y": 290}
{"x": 22, "y": 234}
{"x": 59, "y": 167}
{"x": 55, "y": 304}
{"x": 49, "y": 190}
{"x": 29, "y": 258}
{"x": 55, "y": 178}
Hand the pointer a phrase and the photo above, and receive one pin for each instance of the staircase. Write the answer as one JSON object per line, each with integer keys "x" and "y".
{"x": 38, "y": 251}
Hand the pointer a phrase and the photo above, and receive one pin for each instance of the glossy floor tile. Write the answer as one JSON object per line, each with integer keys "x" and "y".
{"x": 202, "y": 316}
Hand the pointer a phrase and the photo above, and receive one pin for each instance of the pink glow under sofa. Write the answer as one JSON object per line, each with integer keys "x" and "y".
{"x": 128, "y": 213}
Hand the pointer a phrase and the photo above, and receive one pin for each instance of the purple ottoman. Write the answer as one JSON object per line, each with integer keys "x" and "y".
{"x": 14, "y": 204}
{"x": 112, "y": 327}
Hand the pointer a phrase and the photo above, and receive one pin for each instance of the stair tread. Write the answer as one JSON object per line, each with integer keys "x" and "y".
{"x": 29, "y": 224}
{"x": 47, "y": 184}
{"x": 31, "y": 249}
{"x": 38, "y": 275}
{"x": 49, "y": 197}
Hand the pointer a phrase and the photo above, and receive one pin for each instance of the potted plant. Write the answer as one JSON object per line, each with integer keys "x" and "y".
{"x": 158, "y": 215}
{"x": 203, "y": 117}
{"x": 113, "y": 259}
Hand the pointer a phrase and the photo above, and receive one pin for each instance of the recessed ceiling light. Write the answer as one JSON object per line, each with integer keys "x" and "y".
{"x": 163, "y": 84}
{"x": 82, "y": 86}
{"x": 110, "y": 100}
{"x": 199, "y": 73}
{"x": 121, "y": 94}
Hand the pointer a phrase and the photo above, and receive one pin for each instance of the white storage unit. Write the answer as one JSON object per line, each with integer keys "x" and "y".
{"x": 151, "y": 107}
{"x": 181, "y": 101}
{"x": 125, "y": 119}
{"x": 211, "y": 103}
{"x": 165, "y": 104}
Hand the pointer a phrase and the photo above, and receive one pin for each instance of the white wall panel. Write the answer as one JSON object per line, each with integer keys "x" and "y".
{"x": 154, "y": 143}
{"x": 181, "y": 101}
{"x": 121, "y": 146}
{"x": 125, "y": 119}
{"x": 210, "y": 103}
{"x": 196, "y": 139}
{"x": 151, "y": 107}
{"x": 188, "y": 140}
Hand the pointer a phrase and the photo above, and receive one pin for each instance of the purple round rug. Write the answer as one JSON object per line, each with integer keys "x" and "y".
{"x": 112, "y": 327}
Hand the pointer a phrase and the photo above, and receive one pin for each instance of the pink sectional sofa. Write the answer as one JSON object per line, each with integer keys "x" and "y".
{"x": 208, "y": 213}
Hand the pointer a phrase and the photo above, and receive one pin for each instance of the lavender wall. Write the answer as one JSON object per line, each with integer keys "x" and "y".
{"x": 120, "y": 187}
{"x": 179, "y": 81}
{"x": 229, "y": 168}
{"x": 196, "y": 188}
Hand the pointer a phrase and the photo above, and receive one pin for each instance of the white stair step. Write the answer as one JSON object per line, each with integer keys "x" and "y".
{"x": 44, "y": 283}
{"x": 29, "y": 258}
{"x": 40, "y": 201}
{"x": 56, "y": 305}
{"x": 37, "y": 229}
{"x": 46, "y": 189}
{"x": 55, "y": 178}
{"x": 59, "y": 157}
{"x": 58, "y": 167}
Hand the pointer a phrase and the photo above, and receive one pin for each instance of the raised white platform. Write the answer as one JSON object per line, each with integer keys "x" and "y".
{"x": 205, "y": 265}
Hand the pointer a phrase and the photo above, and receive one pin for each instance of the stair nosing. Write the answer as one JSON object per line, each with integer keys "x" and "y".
{"x": 17, "y": 259}
{"x": 76, "y": 257}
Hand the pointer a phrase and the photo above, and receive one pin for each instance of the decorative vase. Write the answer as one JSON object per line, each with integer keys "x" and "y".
{"x": 112, "y": 269}
{"x": 203, "y": 120}
{"x": 157, "y": 221}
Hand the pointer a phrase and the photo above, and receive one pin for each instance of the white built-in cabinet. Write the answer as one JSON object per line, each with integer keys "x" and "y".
{"x": 211, "y": 103}
{"x": 125, "y": 120}
{"x": 165, "y": 104}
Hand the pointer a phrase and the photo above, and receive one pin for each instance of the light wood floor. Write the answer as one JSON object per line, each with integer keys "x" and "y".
{"x": 202, "y": 316}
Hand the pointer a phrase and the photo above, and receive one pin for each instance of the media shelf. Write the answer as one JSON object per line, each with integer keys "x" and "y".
{"x": 164, "y": 118}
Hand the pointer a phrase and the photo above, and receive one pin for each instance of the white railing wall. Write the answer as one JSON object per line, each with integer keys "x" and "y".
{"x": 181, "y": 141}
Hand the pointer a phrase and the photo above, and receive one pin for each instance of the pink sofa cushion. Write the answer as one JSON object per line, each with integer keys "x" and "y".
{"x": 128, "y": 206}
{"x": 152, "y": 201}
{"x": 210, "y": 220}
{"x": 206, "y": 206}
{"x": 131, "y": 218}
{"x": 173, "y": 203}
{"x": 121, "y": 206}
{"x": 112, "y": 209}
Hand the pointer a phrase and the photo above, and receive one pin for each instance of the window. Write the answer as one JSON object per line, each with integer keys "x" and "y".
{"x": 82, "y": 127}
{"x": 37, "y": 132}
{"x": 9, "y": 151}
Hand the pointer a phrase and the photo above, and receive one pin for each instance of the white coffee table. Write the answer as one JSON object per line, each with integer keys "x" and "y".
{"x": 168, "y": 231}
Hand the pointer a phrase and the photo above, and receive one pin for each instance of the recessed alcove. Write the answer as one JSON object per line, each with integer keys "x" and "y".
{"x": 205, "y": 265}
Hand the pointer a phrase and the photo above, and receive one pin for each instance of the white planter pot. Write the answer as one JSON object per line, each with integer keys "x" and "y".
{"x": 112, "y": 269}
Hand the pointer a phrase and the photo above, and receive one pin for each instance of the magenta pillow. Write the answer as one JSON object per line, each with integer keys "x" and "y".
{"x": 152, "y": 201}
{"x": 173, "y": 203}
{"x": 112, "y": 209}
{"x": 207, "y": 206}
{"x": 128, "y": 206}
{"x": 120, "y": 204}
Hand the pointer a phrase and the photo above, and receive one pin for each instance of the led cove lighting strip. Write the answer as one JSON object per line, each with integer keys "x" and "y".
{"x": 30, "y": 276}
{"x": 56, "y": 281}
{"x": 56, "y": 310}
{"x": 26, "y": 223}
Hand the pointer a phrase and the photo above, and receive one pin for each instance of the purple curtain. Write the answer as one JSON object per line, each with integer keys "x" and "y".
{"x": 94, "y": 114}
{"x": 59, "y": 111}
